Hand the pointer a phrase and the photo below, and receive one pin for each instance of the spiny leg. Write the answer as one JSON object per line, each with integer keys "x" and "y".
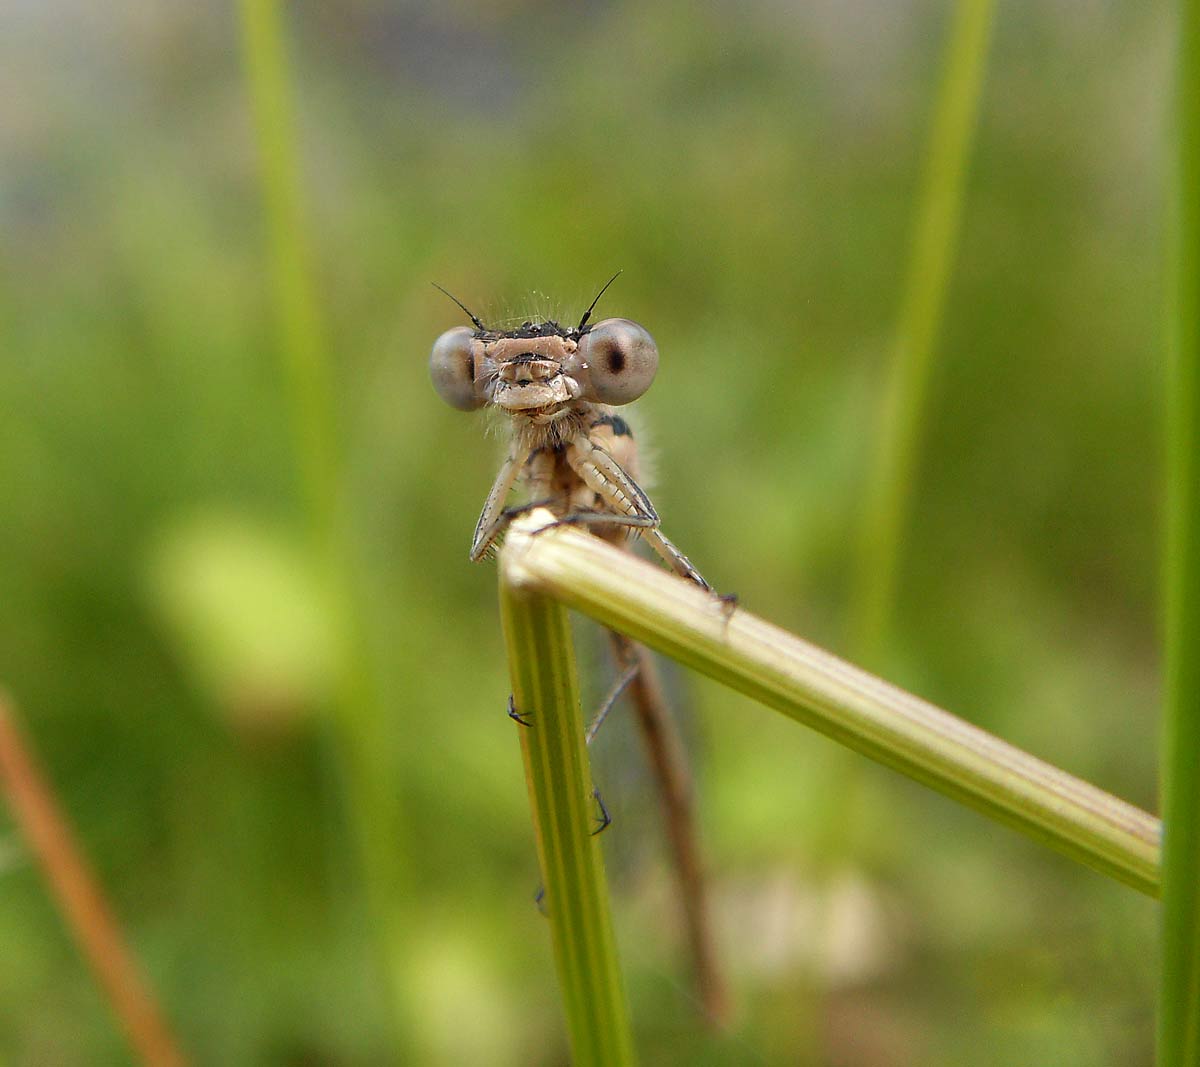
{"x": 609, "y": 481}
{"x": 501, "y": 523}
{"x": 524, "y": 509}
{"x": 599, "y": 518}
{"x": 628, "y": 501}
{"x": 626, "y": 676}
{"x": 659, "y": 541}
{"x": 675, "y": 559}
{"x": 649, "y": 531}
{"x": 492, "y": 520}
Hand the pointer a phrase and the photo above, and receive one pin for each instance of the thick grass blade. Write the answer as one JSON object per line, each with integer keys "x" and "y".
{"x": 1179, "y": 1008}
{"x": 935, "y": 237}
{"x": 832, "y": 696}
{"x": 546, "y": 692}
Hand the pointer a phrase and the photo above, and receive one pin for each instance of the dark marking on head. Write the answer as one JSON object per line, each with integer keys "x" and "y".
{"x": 529, "y": 330}
{"x": 616, "y": 361}
{"x": 620, "y": 427}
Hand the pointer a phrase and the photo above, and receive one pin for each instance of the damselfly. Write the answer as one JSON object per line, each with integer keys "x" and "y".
{"x": 559, "y": 386}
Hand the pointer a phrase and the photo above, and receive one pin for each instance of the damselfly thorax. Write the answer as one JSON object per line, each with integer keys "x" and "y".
{"x": 559, "y": 387}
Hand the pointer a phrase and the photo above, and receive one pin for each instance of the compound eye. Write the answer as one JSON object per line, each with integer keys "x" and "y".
{"x": 618, "y": 360}
{"x": 452, "y": 368}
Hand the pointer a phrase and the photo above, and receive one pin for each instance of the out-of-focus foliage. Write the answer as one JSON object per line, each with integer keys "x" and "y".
{"x": 751, "y": 167}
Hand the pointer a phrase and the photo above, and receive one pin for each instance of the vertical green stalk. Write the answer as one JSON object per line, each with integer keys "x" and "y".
{"x": 359, "y": 731}
{"x": 546, "y": 694}
{"x": 1179, "y": 1007}
{"x": 890, "y": 483}
{"x": 301, "y": 341}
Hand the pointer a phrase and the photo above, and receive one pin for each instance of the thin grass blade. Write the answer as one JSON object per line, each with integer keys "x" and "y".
{"x": 939, "y": 212}
{"x": 360, "y": 732}
{"x": 1179, "y": 1006}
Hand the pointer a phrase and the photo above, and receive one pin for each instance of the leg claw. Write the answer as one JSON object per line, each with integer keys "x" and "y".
{"x": 604, "y": 819}
{"x": 517, "y": 716}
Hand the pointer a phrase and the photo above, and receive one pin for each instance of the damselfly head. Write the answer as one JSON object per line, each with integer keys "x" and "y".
{"x": 541, "y": 368}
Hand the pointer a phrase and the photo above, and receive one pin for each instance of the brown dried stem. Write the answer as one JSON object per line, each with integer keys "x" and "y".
{"x": 87, "y": 914}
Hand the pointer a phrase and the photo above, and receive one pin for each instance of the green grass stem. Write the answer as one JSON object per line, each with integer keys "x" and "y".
{"x": 301, "y": 334}
{"x": 889, "y": 487}
{"x": 546, "y": 691}
{"x": 832, "y": 696}
{"x": 1179, "y": 1006}
{"x": 360, "y": 732}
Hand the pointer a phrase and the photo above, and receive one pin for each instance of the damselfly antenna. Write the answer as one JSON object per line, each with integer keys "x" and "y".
{"x": 471, "y": 315}
{"x": 587, "y": 314}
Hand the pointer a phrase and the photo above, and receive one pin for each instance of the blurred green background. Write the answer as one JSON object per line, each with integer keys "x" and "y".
{"x": 753, "y": 169}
